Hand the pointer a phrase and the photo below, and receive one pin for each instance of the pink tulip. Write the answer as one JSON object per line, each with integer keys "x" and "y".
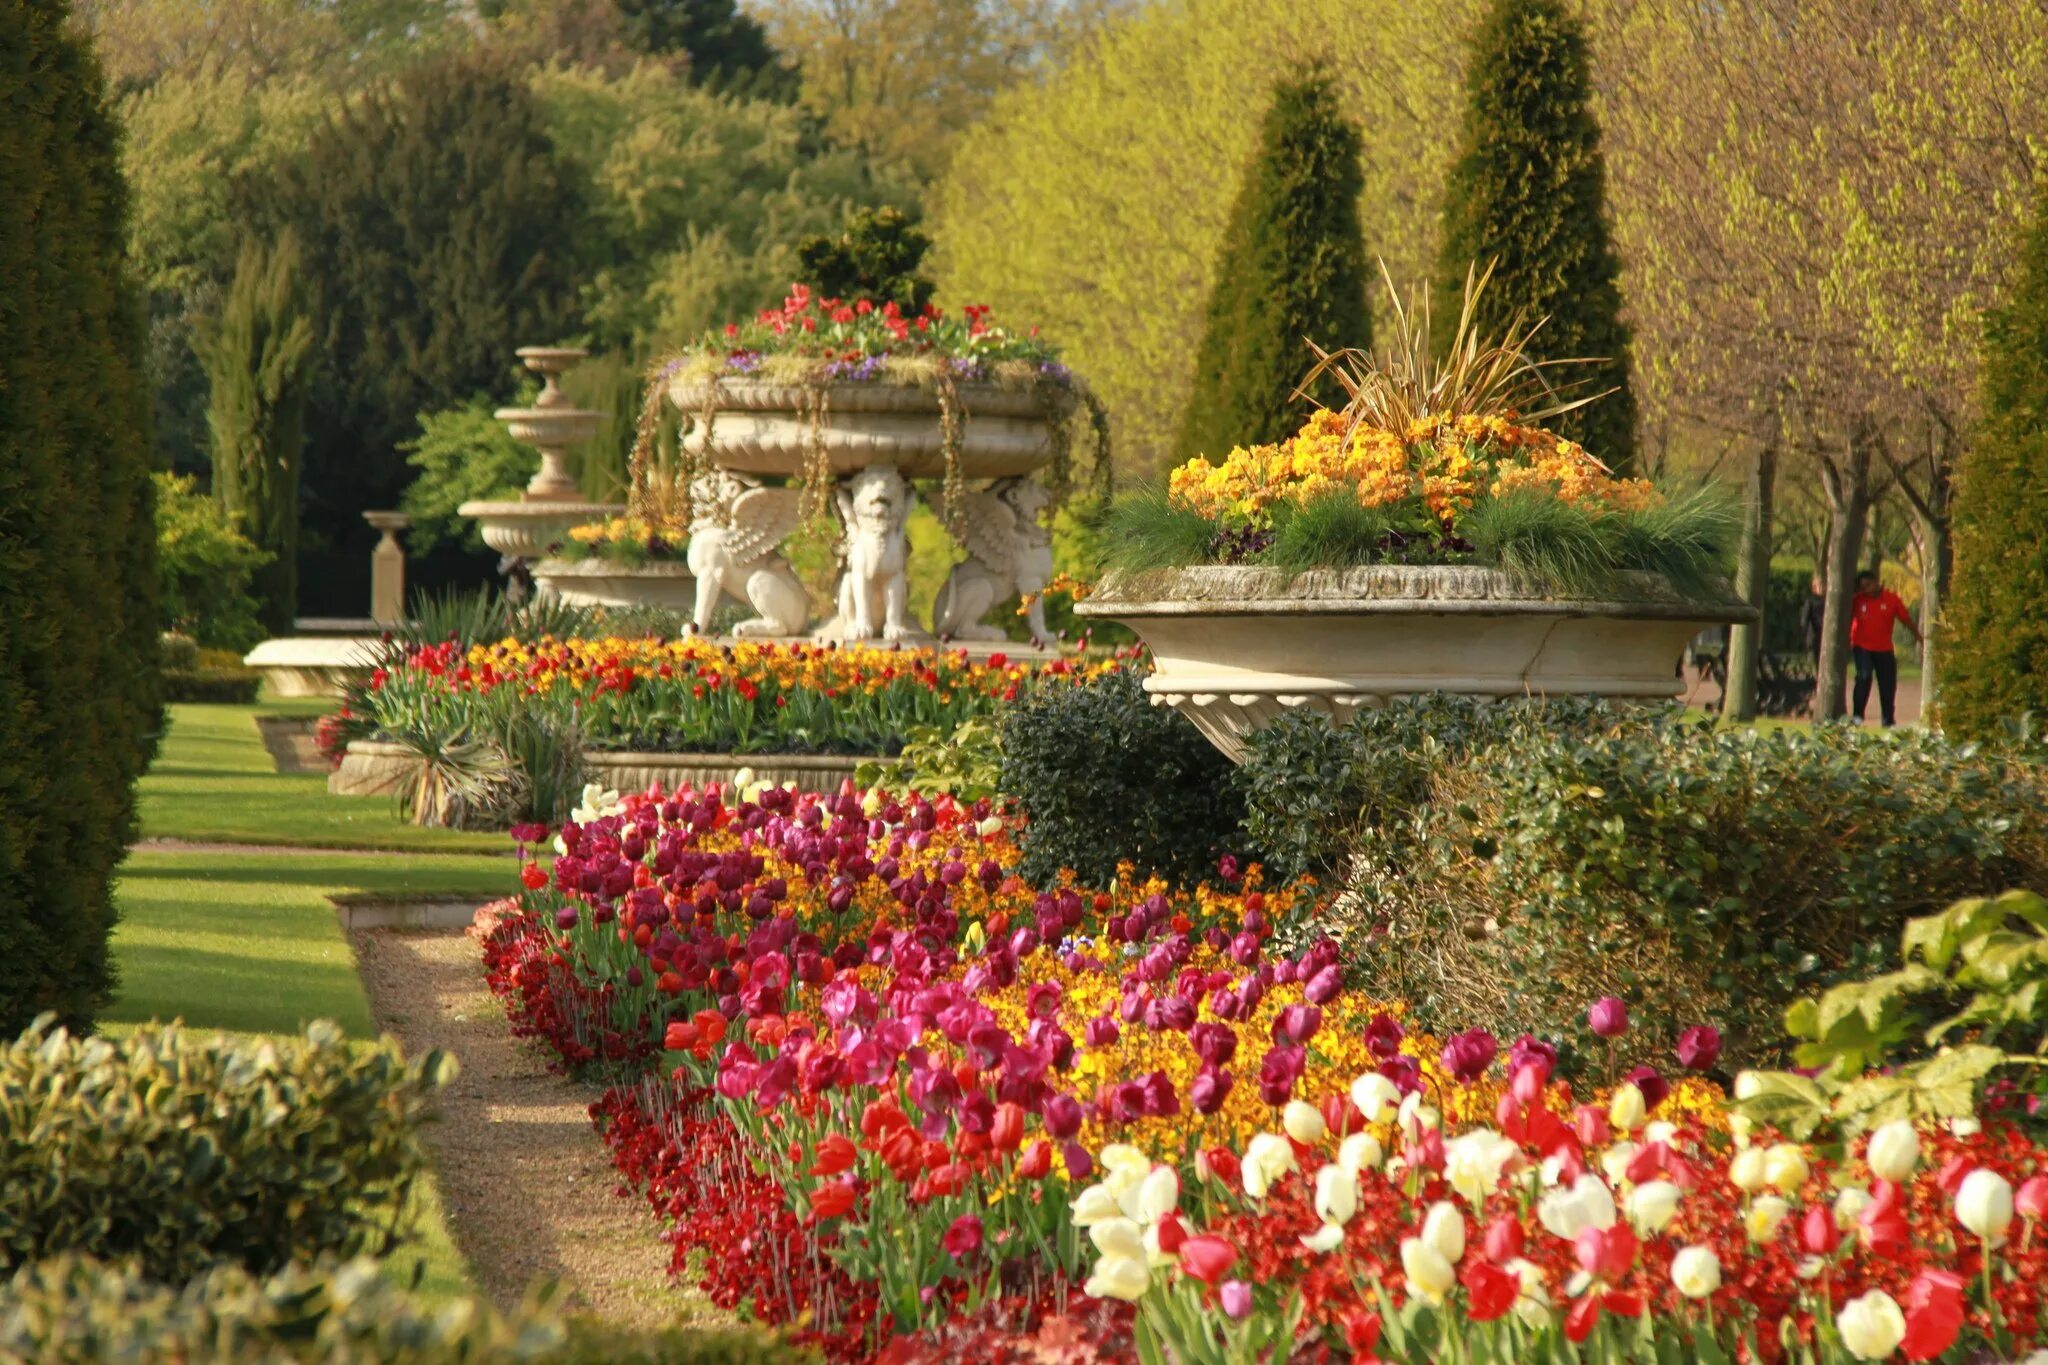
{"x": 1608, "y": 1017}
{"x": 2030, "y": 1201}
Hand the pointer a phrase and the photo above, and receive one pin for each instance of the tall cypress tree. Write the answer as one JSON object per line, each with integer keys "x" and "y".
{"x": 1528, "y": 192}
{"x": 258, "y": 357}
{"x": 436, "y": 228}
{"x": 1994, "y": 634}
{"x": 1290, "y": 269}
{"x": 78, "y": 611}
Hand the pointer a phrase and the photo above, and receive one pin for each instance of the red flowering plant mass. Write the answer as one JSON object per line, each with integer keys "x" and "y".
{"x": 913, "y": 1107}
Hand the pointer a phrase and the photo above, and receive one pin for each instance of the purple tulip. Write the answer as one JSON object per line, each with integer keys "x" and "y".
{"x": 1062, "y": 1115}
{"x": 1215, "y": 1044}
{"x": 1297, "y": 1023}
{"x": 1404, "y": 1072}
{"x": 1467, "y": 1055}
{"x": 1653, "y": 1086}
{"x": 1608, "y": 1017}
{"x": 1699, "y": 1047}
{"x": 1529, "y": 1050}
{"x": 1383, "y": 1036}
{"x": 1079, "y": 1164}
{"x": 1237, "y": 1298}
{"x": 1102, "y": 1031}
{"x": 1209, "y": 1089}
{"x": 1323, "y": 987}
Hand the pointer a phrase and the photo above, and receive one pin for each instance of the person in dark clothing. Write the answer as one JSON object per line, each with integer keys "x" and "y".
{"x": 1871, "y": 616}
{"x": 1812, "y": 615}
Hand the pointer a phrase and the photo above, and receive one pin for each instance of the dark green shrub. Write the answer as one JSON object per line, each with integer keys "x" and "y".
{"x": 1290, "y": 269}
{"x": 1994, "y": 636}
{"x": 233, "y": 686}
{"x": 1311, "y": 787}
{"x": 79, "y": 622}
{"x": 1528, "y": 192}
{"x": 876, "y": 257}
{"x": 1105, "y": 776}
{"x": 73, "y": 1310}
{"x": 184, "y": 1151}
{"x": 1703, "y": 875}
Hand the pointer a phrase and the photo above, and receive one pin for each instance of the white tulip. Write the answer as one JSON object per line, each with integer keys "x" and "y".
{"x": 1119, "y": 1277}
{"x": 1615, "y": 1161}
{"x": 1664, "y": 1131}
{"x": 1965, "y": 1127}
{"x": 1652, "y": 1205}
{"x": 1267, "y": 1158}
{"x": 1587, "y": 1204}
{"x": 1893, "y": 1152}
{"x": 1121, "y": 1156}
{"x": 1336, "y": 1194}
{"x": 1443, "y": 1231}
{"x": 1746, "y": 1171}
{"x": 1626, "y": 1111}
{"x": 1359, "y": 1152}
{"x": 1696, "y": 1272}
{"x": 1095, "y": 1204}
{"x": 1785, "y": 1168}
{"x": 1473, "y": 1163}
{"x": 1416, "y": 1117}
{"x": 1767, "y": 1214}
{"x": 990, "y": 828}
{"x": 1375, "y": 1096}
{"x": 1303, "y": 1121}
{"x": 1872, "y": 1327}
{"x": 1158, "y": 1194}
{"x": 1984, "y": 1206}
{"x": 1328, "y": 1237}
{"x": 1532, "y": 1305}
{"x": 1118, "y": 1237}
{"x": 1430, "y": 1275}
{"x": 1850, "y": 1202}
{"x": 1748, "y": 1085}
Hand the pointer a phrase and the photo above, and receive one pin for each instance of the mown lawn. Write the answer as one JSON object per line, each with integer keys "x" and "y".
{"x": 248, "y": 941}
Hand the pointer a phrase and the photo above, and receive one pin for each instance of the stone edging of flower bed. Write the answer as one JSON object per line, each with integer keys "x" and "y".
{"x": 377, "y": 768}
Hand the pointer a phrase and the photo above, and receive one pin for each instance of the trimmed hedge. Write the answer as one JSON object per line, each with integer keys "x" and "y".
{"x": 77, "y": 1311}
{"x": 235, "y": 686}
{"x": 1105, "y": 776}
{"x": 1703, "y": 875}
{"x": 79, "y": 707}
{"x": 182, "y": 1152}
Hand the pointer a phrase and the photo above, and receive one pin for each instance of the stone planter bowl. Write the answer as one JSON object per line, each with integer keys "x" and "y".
{"x": 595, "y": 583}
{"x": 762, "y": 428}
{"x": 1234, "y": 647}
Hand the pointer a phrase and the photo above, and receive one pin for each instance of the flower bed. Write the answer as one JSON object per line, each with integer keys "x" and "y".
{"x": 691, "y": 696}
{"x": 922, "y": 1099}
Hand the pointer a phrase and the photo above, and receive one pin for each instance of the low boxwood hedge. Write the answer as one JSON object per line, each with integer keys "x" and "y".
{"x": 180, "y": 1151}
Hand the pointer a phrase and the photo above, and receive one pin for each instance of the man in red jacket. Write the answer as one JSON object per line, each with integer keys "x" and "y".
{"x": 1871, "y": 614}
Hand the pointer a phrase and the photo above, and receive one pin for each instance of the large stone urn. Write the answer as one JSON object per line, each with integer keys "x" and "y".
{"x": 876, "y": 437}
{"x": 596, "y": 582}
{"x": 764, "y": 428}
{"x": 1233, "y": 647}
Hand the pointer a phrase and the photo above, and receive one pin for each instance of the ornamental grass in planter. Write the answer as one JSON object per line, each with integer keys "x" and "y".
{"x": 1430, "y": 535}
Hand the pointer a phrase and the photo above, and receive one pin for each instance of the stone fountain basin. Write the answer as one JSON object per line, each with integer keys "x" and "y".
{"x": 525, "y": 527}
{"x": 763, "y": 428}
{"x": 550, "y": 426}
{"x": 1234, "y": 647}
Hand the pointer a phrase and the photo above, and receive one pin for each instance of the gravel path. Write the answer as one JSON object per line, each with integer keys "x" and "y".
{"x": 529, "y": 1192}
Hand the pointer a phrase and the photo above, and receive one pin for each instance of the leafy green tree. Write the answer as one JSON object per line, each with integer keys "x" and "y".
{"x": 437, "y": 227}
{"x": 461, "y": 453}
{"x": 204, "y": 565}
{"x": 1997, "y": 635}
{"x": 78, "y": 594}
{"x": 1087, "y": 204}
{"x": 1291, "y": 269}
{"x": 1528, "y": 193}
{"x": 723, "y": 43}
{"x": 259, "y": 363}
{"x": 876, "y": 257}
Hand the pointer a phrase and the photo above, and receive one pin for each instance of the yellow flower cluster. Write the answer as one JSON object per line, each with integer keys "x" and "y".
{"x": 628, "y": 530}
{"x": 1447, "y": 460}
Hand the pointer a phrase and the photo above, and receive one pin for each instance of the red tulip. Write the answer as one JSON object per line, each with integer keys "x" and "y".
{"x": 1489, "y": 1290}
{"x": 1591, "y": 1125}
{"x": 1222, "y": 1163}
{"x": 962, "y": 1239}
{"x": 1361, "y": 1331}
{"x": 836, "y": 1154}
{"x": 679, "y": 1035}
{"x": 1504, "y": 1239}
{"x": 1582, "y": 1318}
{"x": 1817, "y": 1231}
{"x": 833, "y": 1199}
{"x": 1036, "y": 1162}
{"x": 534, "y": 876}
{"x": 1934, "y": 1314}
{"x": 1173, "y": 1234}
{"x": 2031, "y": 1199}
{"x": 1883, "y": 1221}
{"x": 1607, "y": 1252}
{"x": 1207, "y": 1258}
{"x": 1006, "y": 1133}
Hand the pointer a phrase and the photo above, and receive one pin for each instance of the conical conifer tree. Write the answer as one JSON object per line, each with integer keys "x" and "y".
{"x": 1994, "y": 633}
{"x": 1528, "y": 192}
{"x": 1291, "y": 269}
{"x": 259, "y": 361}
{"x": 78, "y": 600}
